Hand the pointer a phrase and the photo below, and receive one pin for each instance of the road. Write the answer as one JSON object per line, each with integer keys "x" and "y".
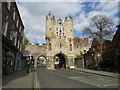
{"x": 61, "y": 78}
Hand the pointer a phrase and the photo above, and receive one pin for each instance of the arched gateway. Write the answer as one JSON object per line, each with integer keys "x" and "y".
{"x": 60, "y": 60}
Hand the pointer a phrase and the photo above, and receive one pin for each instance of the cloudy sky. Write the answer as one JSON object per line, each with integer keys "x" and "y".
{"x": 34, "y": 13}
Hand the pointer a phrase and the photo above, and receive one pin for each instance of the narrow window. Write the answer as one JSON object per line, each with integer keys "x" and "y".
{"x": 60, "y": 45}
{"x": 56, "y": 29}
{"x": 63, "y": 29}
{"x": 49, "y": 46}
{"x": 50, "y": 28}
{"x": 70, "y": 47}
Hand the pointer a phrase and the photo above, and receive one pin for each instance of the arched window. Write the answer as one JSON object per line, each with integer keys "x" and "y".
{"x": 70, "y": 47}
{"x": 49, "y": 46}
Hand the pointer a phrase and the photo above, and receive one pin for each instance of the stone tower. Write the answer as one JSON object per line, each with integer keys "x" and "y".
{"x": 59, "y": 41}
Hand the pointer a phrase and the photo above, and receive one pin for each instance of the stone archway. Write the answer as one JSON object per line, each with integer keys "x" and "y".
{"x": 60, "y": 60}
{"x": 41, "y": 61}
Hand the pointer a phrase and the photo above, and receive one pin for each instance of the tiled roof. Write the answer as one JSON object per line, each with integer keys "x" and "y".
{"x": 100, "y": 41}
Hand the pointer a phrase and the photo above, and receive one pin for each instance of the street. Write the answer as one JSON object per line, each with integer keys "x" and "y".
{"x": 62, "y": 78}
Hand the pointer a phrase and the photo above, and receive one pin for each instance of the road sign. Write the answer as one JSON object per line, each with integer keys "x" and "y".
{"x": 27, "y": 53}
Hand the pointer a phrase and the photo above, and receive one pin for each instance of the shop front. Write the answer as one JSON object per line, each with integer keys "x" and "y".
{"x": 8, "y": 56}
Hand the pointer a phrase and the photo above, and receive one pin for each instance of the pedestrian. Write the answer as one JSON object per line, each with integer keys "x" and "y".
{"x": 28, "y": 64}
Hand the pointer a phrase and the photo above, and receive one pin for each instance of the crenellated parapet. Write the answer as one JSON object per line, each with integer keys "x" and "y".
{"x": 58, "y": 21}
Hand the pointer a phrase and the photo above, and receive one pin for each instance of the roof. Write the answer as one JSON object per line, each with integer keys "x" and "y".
{"x": 100, "y": 41}
{"x": 117, "y": 34}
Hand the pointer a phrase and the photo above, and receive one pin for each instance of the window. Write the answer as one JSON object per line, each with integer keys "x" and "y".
{"x": 6, "y": 26}
{"x": 60, "y": 30}
{"x": 56, "y": 29}
{"x": 20, "y": 28}
{"x": 50, "y": 28}
{"x": 17, "y": 23}
{"x": 15, "y": 41}
{"x": 18, "y": 44}
{"x": 9, "y": 4}
{"x": 63, "y": 29}
{"x": 70, "y": 47}
{"x": 14, "y": 14}
{"x": 49, "y": 46}
{"x": 60, "y": 45}
{"x": 78, "y": 40}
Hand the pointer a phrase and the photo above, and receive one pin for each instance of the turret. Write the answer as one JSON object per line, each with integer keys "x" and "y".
{"x": 69, "y": 19}
{"x": 50, "y": 17}
{"x": 69, "y": 26}
{"x": 59, "y": 21}
{"x": 50, "y": 20}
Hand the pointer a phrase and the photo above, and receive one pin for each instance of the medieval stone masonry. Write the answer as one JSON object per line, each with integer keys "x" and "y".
{"x": 59, "y": 39}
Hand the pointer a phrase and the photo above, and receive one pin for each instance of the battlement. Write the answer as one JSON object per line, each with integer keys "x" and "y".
{"x": 58, "y": 21}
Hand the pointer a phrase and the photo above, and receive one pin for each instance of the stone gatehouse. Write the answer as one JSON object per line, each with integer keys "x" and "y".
{"x": 59, "y": 37}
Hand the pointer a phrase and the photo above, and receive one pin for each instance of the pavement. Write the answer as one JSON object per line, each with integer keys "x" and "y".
{"x": 20, "y": 79}
{"x": 103, "y": 73}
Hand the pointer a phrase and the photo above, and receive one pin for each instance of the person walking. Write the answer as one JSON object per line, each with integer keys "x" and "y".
{"x": 28, "y": 64}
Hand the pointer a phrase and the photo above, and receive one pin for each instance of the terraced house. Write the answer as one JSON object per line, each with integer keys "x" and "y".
{"x": 12, "y": 38}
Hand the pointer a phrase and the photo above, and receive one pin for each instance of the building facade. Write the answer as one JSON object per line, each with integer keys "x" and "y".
{"x": 12, "y": 38}
{"x": 111, "y": 53}
{"x": 94, "y": 55}
{"x": 81, "y": 45}
{"x": 59, "y": 41}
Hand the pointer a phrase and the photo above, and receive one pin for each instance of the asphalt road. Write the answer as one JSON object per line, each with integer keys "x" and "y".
{"x": 61, "y": 78}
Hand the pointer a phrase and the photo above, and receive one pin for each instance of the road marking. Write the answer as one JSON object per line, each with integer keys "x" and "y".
{"x": 112, "y": 85}
{"x": 37, "y": 84}
{"x": 76, "y": 78}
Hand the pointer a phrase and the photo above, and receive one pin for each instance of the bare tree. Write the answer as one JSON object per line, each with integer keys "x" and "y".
{"x": 99, "y": 26}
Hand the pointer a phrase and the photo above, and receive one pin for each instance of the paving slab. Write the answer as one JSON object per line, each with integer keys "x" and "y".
{"x": 19, "y": 79}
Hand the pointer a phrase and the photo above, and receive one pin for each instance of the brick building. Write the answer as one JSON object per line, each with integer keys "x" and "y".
{"x": 12, "y": 38}
{"x": 104, "y": 53}
{"x": 94, "y": 55}
{"x": 111, "y": 53}
{"x": 80, "y": 42}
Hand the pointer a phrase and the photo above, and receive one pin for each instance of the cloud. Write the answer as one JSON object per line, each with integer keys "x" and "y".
{"x": 34, "y": 14}
{"x": 96, "y": 8}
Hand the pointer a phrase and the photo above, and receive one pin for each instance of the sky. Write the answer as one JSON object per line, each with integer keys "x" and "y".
{"x": 33, "y": 14}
